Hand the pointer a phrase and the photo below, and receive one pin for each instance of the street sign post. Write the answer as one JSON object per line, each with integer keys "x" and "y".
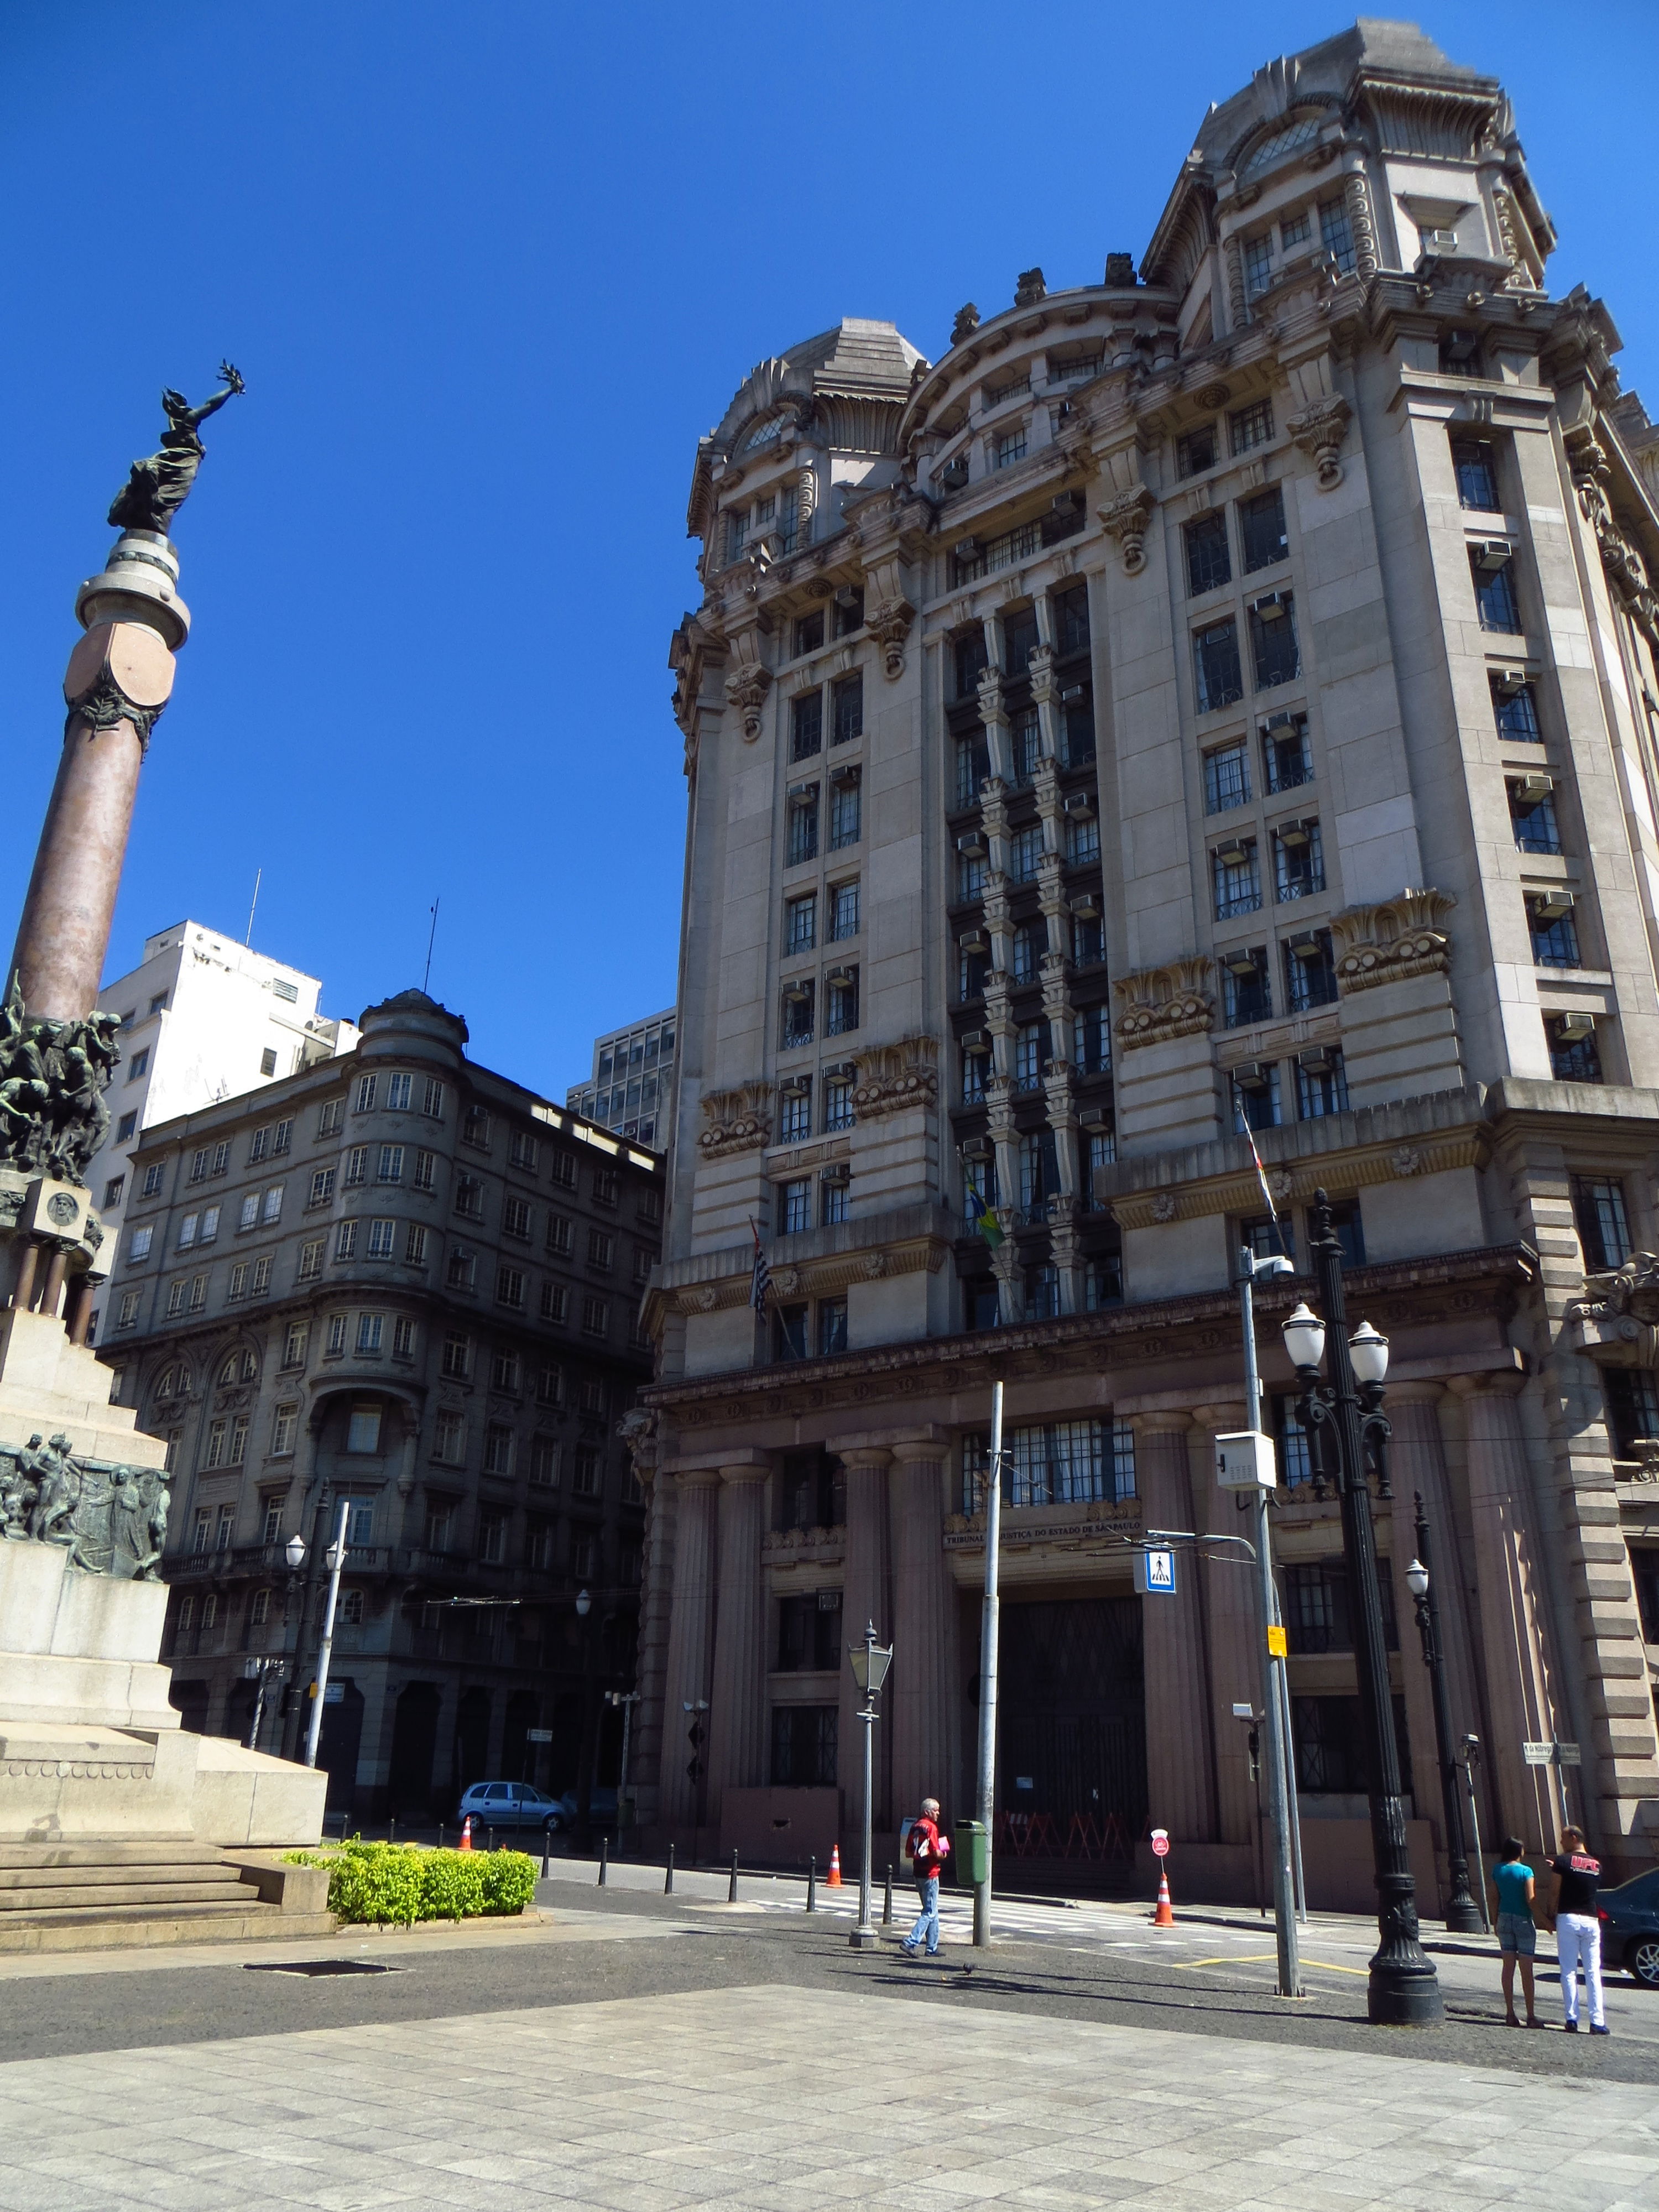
{"x": 1160, "y": 1843}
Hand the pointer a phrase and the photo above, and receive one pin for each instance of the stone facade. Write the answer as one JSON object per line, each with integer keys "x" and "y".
{"x": 1221, "y": 696}
{"x": 398, "y": 1279}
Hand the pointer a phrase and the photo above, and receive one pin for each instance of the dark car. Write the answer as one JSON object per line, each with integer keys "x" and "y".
{"x": 1630, "y": 1929}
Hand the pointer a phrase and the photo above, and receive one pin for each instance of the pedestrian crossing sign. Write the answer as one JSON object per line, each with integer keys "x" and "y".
{"x": 1155, "y": 1572}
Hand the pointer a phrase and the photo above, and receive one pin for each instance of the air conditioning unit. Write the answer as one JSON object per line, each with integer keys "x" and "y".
{"x": 976, "y": 1148}
{"x": 1570, "y": 1028}
{"x": 1318, "y": 1059}
{"x": 1529, "y": 789}
{"x": 1071, "y": 693}
{"x": 1234, "y": 854}
{"x": 977, "y": 1041}
{"x": 1094, "y": 1117}
{"x": 1304, "y": 946}
{"x": 1239, "y": 964}
{"x": 1253, "y": 1074}
{"x": 1550, "y": 906}
{"x": 1438, "y": 241}
{"x": 841, "y": 976}
{"x": 1067, "y": 502}
{"x": 1296, "y": 833}
{"x": 1492, "y": 552}
{"x": 802, "y": 794}
{"x": 1086, "y": 907}
{"x": 973, "y": 845}
{"x": 1060, "y": 414}
{"x": 1277, "y": 722}
{"x": 796, "y": 1087}
{"x": 968, "y": 548}
{"x": 975, "y": 941}
{"x": 1510, "y": 680}
{"x": 837, "y": 1171}
{"x": 847, "y": 595}
{"x": 1080, "y": 806}
{"x": 843, "y": 1071}
{"x": 1271, "y": 606}
{"x": 954, "y": 474}
{"x": 841, "y": 777}
{"x": 798, "y": 992}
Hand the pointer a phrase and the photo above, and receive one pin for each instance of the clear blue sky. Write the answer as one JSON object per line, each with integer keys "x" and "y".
{"x": 489, "y": 270}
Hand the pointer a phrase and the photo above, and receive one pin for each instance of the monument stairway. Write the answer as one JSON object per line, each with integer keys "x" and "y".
{"x": 93, "y": 1896}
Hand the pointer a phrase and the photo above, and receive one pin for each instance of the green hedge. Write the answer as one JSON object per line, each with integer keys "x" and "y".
{"x": 402, "y": 1883}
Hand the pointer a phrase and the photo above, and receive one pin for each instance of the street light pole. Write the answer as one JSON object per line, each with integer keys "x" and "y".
{"x": 870, "y": 1664}
{"x": 1462, "y": 1916}
{"x": 986, "y": 1803}
{"x": 1289, "y": 1965}
{"x": 335, "y": 1561}
{"x": 627, "y": 1699}
{"x": 1404, "y": 1990}
{"x": 1470, "y": 1748}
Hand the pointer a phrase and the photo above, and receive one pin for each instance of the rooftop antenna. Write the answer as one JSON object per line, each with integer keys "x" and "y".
{"x": 431, "y": 937}
{"x": 258, "y": 876}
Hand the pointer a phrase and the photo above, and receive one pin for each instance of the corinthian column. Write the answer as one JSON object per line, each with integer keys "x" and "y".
{"x": 924, "y": 1621}
{"x": 1181, "y": 1790}
{"x": 690, "y": 1631}
{"x": 1417, "y": 1466}
{"x": 1235, "y": 1672}
{"x": 864, "y": 1599}
{"x": 1510, "y": 1597}
{"x": 737, "y": 1750}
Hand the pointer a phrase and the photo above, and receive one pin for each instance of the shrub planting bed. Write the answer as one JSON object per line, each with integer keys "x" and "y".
{"x": 401, "y": 1883}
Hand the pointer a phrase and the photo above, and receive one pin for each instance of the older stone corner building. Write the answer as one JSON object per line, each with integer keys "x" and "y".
{"x": 397, "y": 1279}
{"x": 1223, "y": 694}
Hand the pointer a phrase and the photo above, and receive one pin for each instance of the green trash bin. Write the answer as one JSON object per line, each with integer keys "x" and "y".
{"x": 974, "y": 1851}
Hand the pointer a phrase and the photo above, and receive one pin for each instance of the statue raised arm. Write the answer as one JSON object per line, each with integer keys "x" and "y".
{"x": 158, "y": 487}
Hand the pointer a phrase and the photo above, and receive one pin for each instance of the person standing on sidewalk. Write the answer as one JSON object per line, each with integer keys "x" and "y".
{"x": 928, "y": 1852}
{"x": 1577, "y": 1930}
{"x": 1517, "y": 1937}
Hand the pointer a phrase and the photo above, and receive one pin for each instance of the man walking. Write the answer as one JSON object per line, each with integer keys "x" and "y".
{"x": 928, "y": 1852}
{"x": 1577, "y": 1930}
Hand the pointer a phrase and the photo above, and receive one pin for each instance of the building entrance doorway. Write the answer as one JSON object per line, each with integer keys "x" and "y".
{"x": 1072, "y": 1734}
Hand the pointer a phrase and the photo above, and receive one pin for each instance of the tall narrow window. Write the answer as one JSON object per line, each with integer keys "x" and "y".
{"x": 1207, "y": 564}
{"x": 803, "y": 826}
{"x": 1476, "y": 468}
{"x": 806, "y": 726}
{"x": 1598, "y": 1207}
{"x": 844, "y": 813}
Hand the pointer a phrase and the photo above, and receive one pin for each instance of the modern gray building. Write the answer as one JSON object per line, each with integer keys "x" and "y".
{"x": 1217, "y": 702}
{"x": 398, "y": 1280}
{"x": 631, "y": 1087}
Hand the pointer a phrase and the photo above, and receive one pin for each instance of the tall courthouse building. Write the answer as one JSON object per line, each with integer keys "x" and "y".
{"x": 1223, "y": 695}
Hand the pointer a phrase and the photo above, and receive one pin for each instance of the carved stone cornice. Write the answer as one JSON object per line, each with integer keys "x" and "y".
{"x": 738, "y": 1120}
{"x": 1626, "y": 569}
{"x": 1399, "y": 937}
{"x": 823, "y": 1274}
{"x": 1176, "y": 1000}
{"x": 1293, "y": 1183}
{"x": 893, "y": 1078}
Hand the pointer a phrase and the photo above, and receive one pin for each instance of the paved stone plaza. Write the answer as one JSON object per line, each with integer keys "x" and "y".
{"x": 786, "y": 2098}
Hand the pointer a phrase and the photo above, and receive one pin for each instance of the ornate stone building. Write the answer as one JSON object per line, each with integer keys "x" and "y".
{"x": 398, "y": 1278}
{"x": 1222, "y": 696}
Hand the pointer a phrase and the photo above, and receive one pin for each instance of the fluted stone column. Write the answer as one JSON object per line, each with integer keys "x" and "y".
{"x": 691, "y": 1634}
{"x": 865, "y": 1598}
{"x": 1417, "y": 1463}
{"x": 1180, "y": 1791}
{"x": 1511, "y": 1608}
{"x": 1236, "y": 1673}
{"x": 651, "y": 1664}
{"x": 736, "y": 1724}
{"x": 922, "y": 1702}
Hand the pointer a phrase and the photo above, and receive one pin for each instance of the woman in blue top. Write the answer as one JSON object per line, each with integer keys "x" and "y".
{"x": 1517, "y": 1938}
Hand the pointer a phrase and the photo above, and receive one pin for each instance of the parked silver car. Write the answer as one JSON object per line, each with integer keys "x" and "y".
{"x": 511, "y": 1805}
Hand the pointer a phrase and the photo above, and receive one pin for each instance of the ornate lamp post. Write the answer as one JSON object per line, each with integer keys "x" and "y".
{"x": 870, "y": 1664}
{"x": 1463, "y": 1916}
{"x": 1342, "y": 1416}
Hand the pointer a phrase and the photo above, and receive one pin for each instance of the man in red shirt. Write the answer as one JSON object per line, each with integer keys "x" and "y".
{"x": 928, "y": 1852}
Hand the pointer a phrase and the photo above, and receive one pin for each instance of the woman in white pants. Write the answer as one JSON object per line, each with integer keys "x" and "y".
{"x": 1577, "y": 1930}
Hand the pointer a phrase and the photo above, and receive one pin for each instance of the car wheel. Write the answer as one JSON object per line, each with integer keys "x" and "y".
{"x": 1642, "y": 1957}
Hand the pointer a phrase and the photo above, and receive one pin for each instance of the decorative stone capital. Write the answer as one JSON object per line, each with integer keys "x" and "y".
{"x": 746, "y": 687}
{"x": 738, "y": 1120}
{"x": 120, "y": 672}
{"x": 895, "y": 1077}
{"x": 1319, "y": 431}
{"x": 1400, "y": 937}
{"x": 1126, "y": 518}
{"x": 1176, "y": 1000}
{"x": 889, "y": 626}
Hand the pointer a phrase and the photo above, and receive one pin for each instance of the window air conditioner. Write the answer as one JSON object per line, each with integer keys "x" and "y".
{"x": 1086, "y": 907}
{"x": 841, "y": 776}
{"x": 845, "y": 595}
{"x": 1438, "y": 241}
{"x": 1093, "y": 1117}
{"x": 839, "y": 975}
{"x": 954, "y": 474}
{"x": 1571, "y": 1027}
{"x": 1529, "y": 789}
{"x": 1271, "y": 606}
{"x": 1239, "y": 964}
{"x": 1317, "y": 1061}
{"x": 1080, "y": 806}
{"x": 1492, "y": 552}
{"x": 1509, "y": 681}
{"x": 843, "y": 1071}
{"x": 975, "y": 941}
{"x": 1550, "y": 906}
{"x": 1296, "y": 833}
{"x": 837, "y": 1171}
{"x": 967, "y": 548}
{"x": 1304, "y": 946}
{"x": 976, "y": 1148}
{"x": 802, "y": 794}
{"x": 798, "y": 993}
{"x": 1276, "y": 722}
{"x": 977, "y": 1041}
{"x": 973, "y": 845}
{"x": 1253, "y": 1074}
{"x": 796, "y": 1087}
{"x": 1072, "y": 693}
{"x": 1233, "y": 855}
{"x": 1067, "y": 502}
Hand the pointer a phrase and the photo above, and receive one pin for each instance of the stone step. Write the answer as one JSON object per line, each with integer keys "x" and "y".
{"x": 149, "y": 1927}
{"x": 95, "y": 1895}
{"x": 151, "y": 1851}
{"x": 107, "y": 1872}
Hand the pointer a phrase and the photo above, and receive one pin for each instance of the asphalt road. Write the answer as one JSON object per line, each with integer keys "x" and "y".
{"x": 1091, "y": 1963}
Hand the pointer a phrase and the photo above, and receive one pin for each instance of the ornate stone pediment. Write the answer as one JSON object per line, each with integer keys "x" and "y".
{"x": 1177, "y": 1000}
{"x": 892, "y": 1077}
{"x": 1402, "y": 936}
{"x": 738, "y": 1120}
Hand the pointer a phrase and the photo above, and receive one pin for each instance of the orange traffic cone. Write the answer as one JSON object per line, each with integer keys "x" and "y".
{"x": 834, "y": 1879}
{"x": 1165, "y": 1917}
{"x": 465, "y": 1844}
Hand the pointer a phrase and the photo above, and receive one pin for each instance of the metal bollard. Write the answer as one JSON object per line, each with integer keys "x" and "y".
{"x": 604, "y": 1860}
{"x": 391, "y": 1830}
{"x": 811, "y": 1884}
{"x": 440, "y": 1835}
{"x": 668, "y": 1879}
{"x": 732, "y": 1893}
{"x": 547, "y": 1853}
{"x": 887, "y": 1902}
{"x": 489, "y": 1839}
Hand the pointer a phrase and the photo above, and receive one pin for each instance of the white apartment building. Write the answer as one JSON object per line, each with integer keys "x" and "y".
{"x": 202, "y": 1018}
{"x": 631, "y": 1089}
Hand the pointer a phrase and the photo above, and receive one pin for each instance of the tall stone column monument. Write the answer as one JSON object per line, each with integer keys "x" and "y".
{"x": 90, "y": 1748}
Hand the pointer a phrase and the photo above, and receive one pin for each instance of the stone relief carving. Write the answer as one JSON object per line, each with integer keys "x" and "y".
{"x": 53, "y": 1076}
{"x": 158, "y": 487}
{"x": 746, "y": 687}
{"x": 1126, "y": 518}
{"x": 639, "y": 1430}
{"x": 1616, "y": 1322}
{"x": 1400, "y": 937}
{"x": 1626, "y": 571}
{"x": 110, "y": 1518}
{"x": 1160, "y": 1003}
{"x": 1357, "y": 191}
{"x": 106, "y": 704}
{"x": 1319, "y": 431}
{"x": 892, "y": 1077}
{"x": 890, "y": 625}
{"x": 1405, "y": 1160}
{"x": 738, "y": 1120}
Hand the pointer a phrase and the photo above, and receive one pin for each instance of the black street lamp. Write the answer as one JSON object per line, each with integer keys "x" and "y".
{"x": 1463, "y": 1915}
{"x": 1341, "y": 1417}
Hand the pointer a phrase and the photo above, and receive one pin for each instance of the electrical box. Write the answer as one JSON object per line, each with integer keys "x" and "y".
{"x": 1245, "y": 1460}
{"x": 973, "y": 1853}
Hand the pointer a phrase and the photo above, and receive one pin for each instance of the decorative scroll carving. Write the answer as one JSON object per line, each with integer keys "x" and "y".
{"x": 1126, "y": 518}
{"x": 1401, "y": 937}
{"x": 738, "y": 1120}
{"x": 1626, "y": 571}
{"x": 53, "y": 1076}
{"x": 1238, "y": 313}
{"x": 110, "y": 1518}
{"x": 890, "y": 625}
{"x": 894, "y": 1077}
{"x": 1160, "y": 1003}
{"x": 806, "y": 503}
{"x": 1319, "y": 431}
{"x": 1357, "y": 191}
{"x": 746, "y": 687}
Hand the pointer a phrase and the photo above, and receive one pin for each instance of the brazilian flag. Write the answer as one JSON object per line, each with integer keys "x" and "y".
{"x": 989, "y": 1228}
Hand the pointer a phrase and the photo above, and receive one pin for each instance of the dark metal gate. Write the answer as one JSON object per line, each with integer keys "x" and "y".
{"x": 1071, "y": 1729}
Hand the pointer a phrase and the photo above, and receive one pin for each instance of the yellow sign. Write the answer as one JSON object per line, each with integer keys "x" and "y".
{"x": 1276, "y": 1644}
